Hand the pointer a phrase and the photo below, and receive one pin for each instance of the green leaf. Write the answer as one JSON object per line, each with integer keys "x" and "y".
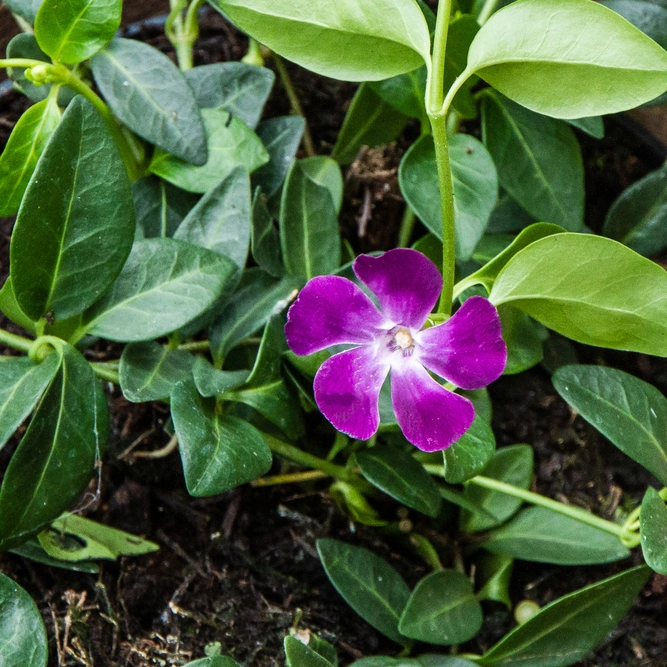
{"x": 309, "y": 233}
{"x": 352, "y": 43}
{"x": 495, "y": 571}
{"x": 541, "y": 535}
{"x": 591, "y": 289}
{"x": 281, "y": 137}
{"x": 219, "y": 452}
{"x": 370, "y": 121}
{"x": 77, "y": 215}
{"x": 653, "y": 531}
{"x": 21, "y": 627}
{"x": 422, "y": 661}
{"x": 239, "y": 88}
{"x": 164, "y": 285}
{"x": 91, "y": 540}
{"x": 649, "y": 17}
{"x": 230, "y": 143}
{"x": 538, "y": 159}
{"x": 593, "y": 126}
{"x": 638, "y": 218}
{"x": 265, "y": 238}
{"x": 626, "y": 410}
{"x": 221, "y": 219}
{"x": 258, "y": 298}
{"x": 371, "y": 587}
{"x": 71, "y": 31}
{"x": 160, "y": 207}
{"x": 402, "y": 477}
{"x": 475, "y": 188}
{"x": 26, "y": 9}
{"x": 148, "y": 371}
{"x": 462, "y": 31}
{"x": 325, "y": 172}
{"x": 469, "y": 455}
{"x": 513, "y": 465}
{"x": 508, "y": 217}
{"x": 32, "y": 550}
{"x": 56, "y": 457}
{"x": 210, "y": 381}
{"x": 149, "y": 94}
{"x": 566, "y": 630}
{"x": 26, "y": 143}
{"x": 213, "y": 661}
{"x": 524, "y": 338}
{"x": 405, "y": 92}
{"x": 22, "y": 383}
{"x": 489, "y": 272}
{"x": 566, "y": 42}
{"x": 298, "y": 654}
{"x": 442, "y": 610}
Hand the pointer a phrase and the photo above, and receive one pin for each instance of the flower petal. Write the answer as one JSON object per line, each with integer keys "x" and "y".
{"x": 468, "y": 349}
{"x": 430, "y": 416}
{"x": 347, "y": 390}
{"x": 406, "y": 283}
{"x": 331, "y": 310}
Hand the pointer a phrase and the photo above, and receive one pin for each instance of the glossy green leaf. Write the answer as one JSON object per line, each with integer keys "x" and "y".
{"x": 32, "y": 550}
{"x": 160, "y": 207}
{"x": 489, "y": 272}
{"x": 475, "y": 188}
{"x": 281, "y": 137}
{"x": 26, "y": 143}
{"x": 258, "y": 298}
{"x": 298, "y": 654}
{"x": 230, "y": 143}
{"x": 566, "y": 42}
{"x": 164, "y": 284}
{"x": 24, "y": 642}
{"x": 219, "y": 452}
{"x": 210, "y": 381}
{"x": 92, "y": 540}
{"x": 469, "y": 455}
{"x": 442, "y": 610}
{"x": 566, "y": 630}
{"x": 427, "y": 660}
{"x": 370, "y": 121}
{"x": 538, "y": 159}
{"x": 649, "y": 17}
{"x": 539, "y": 534}
{"x": 325, "y": 172}
{"x": 402, "y": 477}
{"x": 367, "y": 583}
{"x": 77, "y": 215}
{"x": 56, "y": 457}
{"x": 591, "y": 289}
{"x": 148, "y": 371}
{"x": 353, "y": 503}
{"x": 71, "y": 31}
{"x": 405, "y": 92}
{"x": 22, "y": 383}
{"x": 149, "y": 94}
{"x": 628, "y": 411}
{"x": 239, "y": 88}
{"x": 349, "y": 42}
{"x": 495, "y": 572}
{"x": 524, "y": 338}
{"x": 265, "y": 238}
{"x": 593, "y": 126}
{"x": 26, "y": 9}
{"x": 309, "y": 233}
{"x": 653, "y": 531}
{"x": 638, "y": 218}
{"x": 221, "y": 219}
{"x": 323, "y": 648}
{"x": 513, "y": 465}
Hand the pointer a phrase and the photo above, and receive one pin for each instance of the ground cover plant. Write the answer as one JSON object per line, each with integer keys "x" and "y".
{"x": 157, "y": 211}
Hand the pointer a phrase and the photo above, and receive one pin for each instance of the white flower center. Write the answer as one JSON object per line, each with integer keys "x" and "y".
{"x": 400, "y": 341}
{"x": 403, "y": 339}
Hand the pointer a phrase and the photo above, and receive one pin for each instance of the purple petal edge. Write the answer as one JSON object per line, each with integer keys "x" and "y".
{"x": 331, "y": 310}
{"x": 347, "y": 389}
{"x": 431, "y": 417}
{"x": 468, "y": 349}
{"x": 406, "y": 283}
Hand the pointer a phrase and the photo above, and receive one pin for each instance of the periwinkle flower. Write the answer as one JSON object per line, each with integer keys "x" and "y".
{"x": 467, "y": 349}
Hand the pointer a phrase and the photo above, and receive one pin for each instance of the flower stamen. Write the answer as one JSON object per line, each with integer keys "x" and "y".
{"x": 401, "y": 340}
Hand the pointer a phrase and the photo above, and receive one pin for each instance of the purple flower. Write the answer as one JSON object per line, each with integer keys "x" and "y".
{"x": 467, "y": 349}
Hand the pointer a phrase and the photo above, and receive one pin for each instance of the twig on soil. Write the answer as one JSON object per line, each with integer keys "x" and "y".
{"x": 159, "y": 453}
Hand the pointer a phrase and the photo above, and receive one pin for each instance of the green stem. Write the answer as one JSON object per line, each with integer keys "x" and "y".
{"x": 294, "y": 101}
{"x": 407, "y": 225}
{"x": 17, "y": 342}
{"x": 105, "y": 373}
{"x": 195, "y": 346}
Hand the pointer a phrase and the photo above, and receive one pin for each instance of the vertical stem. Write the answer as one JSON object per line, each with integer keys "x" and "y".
{"x": 407, "y": 225}
{"x": 434, "y": 101}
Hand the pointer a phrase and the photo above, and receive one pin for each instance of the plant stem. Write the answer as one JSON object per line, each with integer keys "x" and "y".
{"x": 294, "y": 101}
{"x": 17, "y": 342}
{"x": 292, "y": 478}
{"x": 407, "y": 225}
{"x": 195, "y": 346}
{"x": 105, "y": 373}
{"x": 438, "y": 118}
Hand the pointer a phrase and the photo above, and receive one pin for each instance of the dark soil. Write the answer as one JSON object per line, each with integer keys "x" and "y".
{"x": 241, "y": 569}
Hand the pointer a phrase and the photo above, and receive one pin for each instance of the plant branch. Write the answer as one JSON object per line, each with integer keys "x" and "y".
{"x": 16, "y": 342}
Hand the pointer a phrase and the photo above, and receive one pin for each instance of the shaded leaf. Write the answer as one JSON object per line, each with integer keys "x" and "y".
{"x": 26, "y": 9}
{"x": 524, "y": 338}
{"x": 298, "y": 654}
{"x": 160, "y": 207}
{"x": 469, "y": 455}
{"x": 210, "y": 381}
{"x": 653, "y": 531}
{"x": 32, "y": 550}
{"x": 265, "y": 238}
